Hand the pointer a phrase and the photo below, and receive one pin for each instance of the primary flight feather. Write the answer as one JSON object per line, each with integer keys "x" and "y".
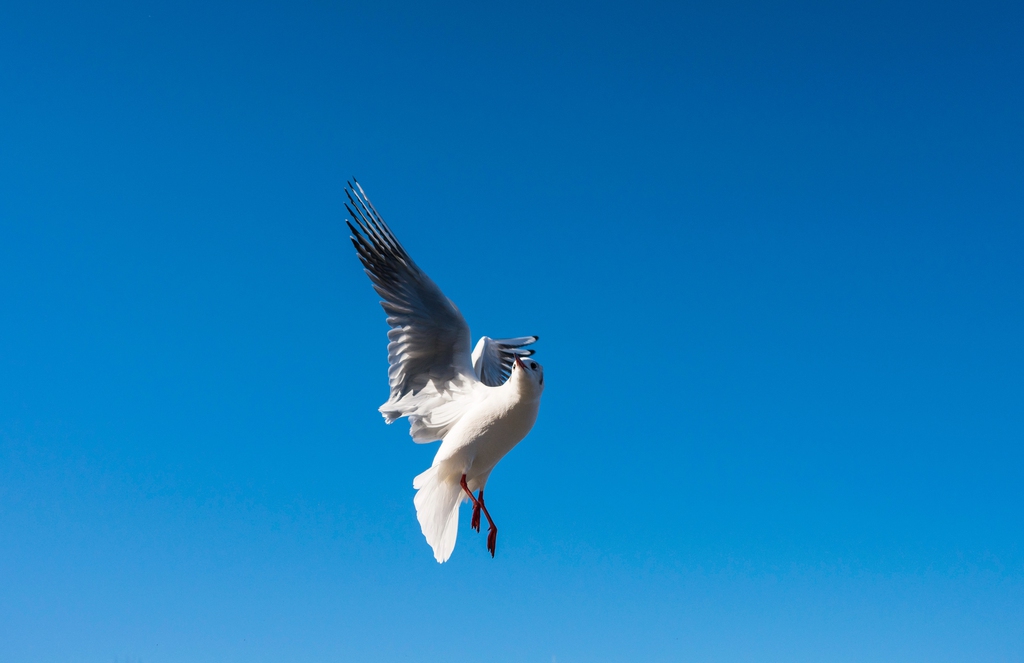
{"x": 479, "y": 404}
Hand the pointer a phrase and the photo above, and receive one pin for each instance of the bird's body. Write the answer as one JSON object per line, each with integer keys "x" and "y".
{"x": 489, "y": 429}
{"x": 479, "y": 405}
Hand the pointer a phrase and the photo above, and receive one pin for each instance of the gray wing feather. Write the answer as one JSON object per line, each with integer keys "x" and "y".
{"x": 429, "y": 338}
{"x": 493, "y": 358}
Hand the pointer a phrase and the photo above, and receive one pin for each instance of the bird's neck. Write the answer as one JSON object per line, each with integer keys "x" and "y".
{"x": 522, "y": 387}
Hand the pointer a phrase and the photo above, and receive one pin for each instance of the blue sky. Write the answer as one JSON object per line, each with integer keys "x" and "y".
{"x": 773, "y": 252}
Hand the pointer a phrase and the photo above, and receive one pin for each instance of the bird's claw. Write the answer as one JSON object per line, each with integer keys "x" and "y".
{"x": 492, "y": 539}
{"x": 475, "y": 522}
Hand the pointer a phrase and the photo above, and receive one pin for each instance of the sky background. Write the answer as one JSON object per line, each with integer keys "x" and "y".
{"x": 774, "y": 253}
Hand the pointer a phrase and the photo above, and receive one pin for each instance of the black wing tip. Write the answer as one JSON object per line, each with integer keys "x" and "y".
{"x": 353, "y": 187}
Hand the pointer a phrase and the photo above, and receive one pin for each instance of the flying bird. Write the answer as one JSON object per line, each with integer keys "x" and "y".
{"x": 479, "y": 404}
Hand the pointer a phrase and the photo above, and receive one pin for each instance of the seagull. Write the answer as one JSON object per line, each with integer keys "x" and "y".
{"x": 479, "y": 404}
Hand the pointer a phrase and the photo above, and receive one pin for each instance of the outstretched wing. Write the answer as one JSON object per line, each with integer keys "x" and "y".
{"x": 428, "y": 348}
{"x": 493, "y": 357}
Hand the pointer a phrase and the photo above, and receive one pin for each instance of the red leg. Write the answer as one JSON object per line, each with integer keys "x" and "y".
{"x": 475, "y": 521}
{"x": 492, "y": 529}
{"x": 476, "y": 505}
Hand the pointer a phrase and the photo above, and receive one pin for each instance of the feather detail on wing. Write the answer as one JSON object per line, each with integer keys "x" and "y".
{"x": 493, "y": 357}
{"x": 428, "y": 348}
{"x": 431, "y": 412}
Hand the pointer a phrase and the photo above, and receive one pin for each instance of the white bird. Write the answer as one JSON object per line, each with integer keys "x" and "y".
{"x": 479, "y": 405}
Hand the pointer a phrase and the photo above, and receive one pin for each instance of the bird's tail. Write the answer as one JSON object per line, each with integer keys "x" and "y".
{"x": 437, "y": 500}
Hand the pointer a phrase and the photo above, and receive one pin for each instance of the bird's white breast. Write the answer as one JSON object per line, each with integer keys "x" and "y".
{"x": 489, "y": 430}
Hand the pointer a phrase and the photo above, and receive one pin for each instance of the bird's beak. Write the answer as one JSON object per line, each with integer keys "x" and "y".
{"x": 519, "y": 362}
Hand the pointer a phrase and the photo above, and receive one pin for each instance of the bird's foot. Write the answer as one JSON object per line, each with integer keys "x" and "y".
{"x": 475, "y": 522}
{"x": 477, "y": 503}
{"x": 492, "y": 539}
{"x": 478, "y": 508}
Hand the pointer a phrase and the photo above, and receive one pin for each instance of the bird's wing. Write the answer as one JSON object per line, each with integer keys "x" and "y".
{"x": 428, "y": 349}
{"x": 493, "y": 357}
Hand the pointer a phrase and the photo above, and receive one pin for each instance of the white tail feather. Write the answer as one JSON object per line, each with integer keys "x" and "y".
{"x": 437, "y": 508}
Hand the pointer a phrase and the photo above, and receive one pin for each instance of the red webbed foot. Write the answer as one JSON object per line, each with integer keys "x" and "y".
{"x": 475, "y": 521}
{"x": 492, "y": 539}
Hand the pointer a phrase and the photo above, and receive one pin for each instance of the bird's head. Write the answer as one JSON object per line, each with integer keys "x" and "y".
{"x": 529, "y": 373}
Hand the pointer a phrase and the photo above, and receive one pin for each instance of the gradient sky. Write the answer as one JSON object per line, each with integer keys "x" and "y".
{"x": 774, "y": 253}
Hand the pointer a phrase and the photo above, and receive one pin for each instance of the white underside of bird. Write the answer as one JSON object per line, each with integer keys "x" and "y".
{"x": 479, "y": 405}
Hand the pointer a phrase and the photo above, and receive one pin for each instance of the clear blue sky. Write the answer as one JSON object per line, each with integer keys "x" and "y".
{"x": 774, "y": 253}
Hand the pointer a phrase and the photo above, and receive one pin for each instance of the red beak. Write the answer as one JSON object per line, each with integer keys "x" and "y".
{"x": 519, "y": 362}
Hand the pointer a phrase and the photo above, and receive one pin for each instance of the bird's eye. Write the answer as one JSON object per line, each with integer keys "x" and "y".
{"x": 533, "y": 365}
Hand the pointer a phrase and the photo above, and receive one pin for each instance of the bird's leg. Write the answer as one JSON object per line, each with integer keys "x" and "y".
{"x": 492, "y": 529}
{"x": 478, "y": 506}
{"x": 475, "y": 522}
